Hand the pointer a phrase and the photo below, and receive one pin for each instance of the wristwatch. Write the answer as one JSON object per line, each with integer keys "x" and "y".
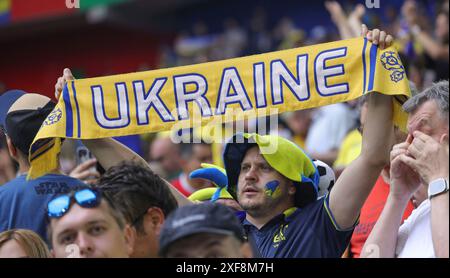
{"x": 437, "y": 187}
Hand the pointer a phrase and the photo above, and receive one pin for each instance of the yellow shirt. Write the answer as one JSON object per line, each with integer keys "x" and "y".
{"x": 350, "y": 149}
{"x": 299, "y": 140}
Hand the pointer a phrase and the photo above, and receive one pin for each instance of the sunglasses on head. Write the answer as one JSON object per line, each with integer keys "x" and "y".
{"x": 86, "y": 198}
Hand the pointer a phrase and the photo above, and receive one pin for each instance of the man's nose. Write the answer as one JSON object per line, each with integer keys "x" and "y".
{"x": 251, "y": 174}
{"x": 85, "y": 244}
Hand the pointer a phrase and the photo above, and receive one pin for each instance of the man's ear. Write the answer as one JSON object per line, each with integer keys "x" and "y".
{"x": 133, "y": 231}
{"x": 11, "y": 148}
{"x": 130, "y": 238}
{"x": 444, "y": 139}
{"x": 154, "y": 219}
{"x": 291, "y": 187}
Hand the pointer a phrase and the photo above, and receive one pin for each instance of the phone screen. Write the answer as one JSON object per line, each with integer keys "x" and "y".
{"x": 83, "y": 155}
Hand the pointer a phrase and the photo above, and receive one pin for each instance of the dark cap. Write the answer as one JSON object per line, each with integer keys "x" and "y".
{"x": 21, "y": 116}
{"x": 200, "y": 218}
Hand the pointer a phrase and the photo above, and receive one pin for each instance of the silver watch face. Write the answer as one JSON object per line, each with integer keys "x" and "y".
{"x": 436, "y": 187}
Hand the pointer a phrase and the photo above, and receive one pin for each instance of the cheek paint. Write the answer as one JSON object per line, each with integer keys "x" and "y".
{"x": 272, "y": 189}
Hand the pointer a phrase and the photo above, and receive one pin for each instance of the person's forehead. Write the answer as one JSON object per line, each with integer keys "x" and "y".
{"x": 78, "y": 217}
{"x": 253, "y": 154}
{"x": 12, "y": 248}
{"x": 162, "y": 144}
{"x": 428, "y": 109}
{"x": 202, "y": 148}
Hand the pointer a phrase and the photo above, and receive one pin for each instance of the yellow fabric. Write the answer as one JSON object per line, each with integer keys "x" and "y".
{"x": 289, "y": 212}
{"x": 5, "y": 6}
{"x": 208, "y": 165}
{"x": 206, "y": 194}
{"x": 288, "y": 159}
{"x": 299, "y": 140}
{"x": 217, "y": 154}
{"x": 163, "y": 134}
{"x": 317, "y": 75}
{"x": 350, "y": 149}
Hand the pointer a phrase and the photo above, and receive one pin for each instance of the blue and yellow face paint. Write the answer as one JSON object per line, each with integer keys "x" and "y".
{"x": 119, "y": 105}
{"x": 272, "y": 189}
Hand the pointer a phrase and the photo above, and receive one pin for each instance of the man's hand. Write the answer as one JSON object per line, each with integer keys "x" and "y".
{"x": 335, "y": 9}
{"x": 85, "y": 173}
{"x": 59, "y": 86}
{"x": 359, "y": 177}
{"x": 409, "y": 12}
{"x": 355, "y": 18}
{"x": 377, "y": 37}
{"x": 404, "y": 180}
{"x": 428, "y": 157}
{"x": 339, "y": 18}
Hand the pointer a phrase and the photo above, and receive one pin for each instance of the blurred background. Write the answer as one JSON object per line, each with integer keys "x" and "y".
{"x": 102, "y": 37}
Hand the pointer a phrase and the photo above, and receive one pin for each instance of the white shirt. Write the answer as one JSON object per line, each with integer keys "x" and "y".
{"x": 414, "y": 236}
{"x": 329, "y": 128}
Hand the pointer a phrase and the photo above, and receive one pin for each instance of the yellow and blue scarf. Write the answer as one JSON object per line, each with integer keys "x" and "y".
{"x": 162, "y": 99}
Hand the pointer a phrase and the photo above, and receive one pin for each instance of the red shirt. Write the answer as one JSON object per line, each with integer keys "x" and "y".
{"x": 177, "y": 184}
{"x": 370, "y": 213}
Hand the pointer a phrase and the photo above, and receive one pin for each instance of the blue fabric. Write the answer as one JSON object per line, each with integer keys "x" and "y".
{"x": 6, "y": 100}
{"x": 211, "y": 174}
{"x": 306, "y": 233}
{"x": 69, "y": 114}
{"x": 23, "y": 204}
{"x": 131, "y": 141}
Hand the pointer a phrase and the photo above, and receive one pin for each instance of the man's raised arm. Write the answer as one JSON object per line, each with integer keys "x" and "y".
{"x": 110, "y": 152}
{"x": 355, "y": 183}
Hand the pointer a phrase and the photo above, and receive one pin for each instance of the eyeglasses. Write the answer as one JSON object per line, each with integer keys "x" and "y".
{"x": 86, "y": 198}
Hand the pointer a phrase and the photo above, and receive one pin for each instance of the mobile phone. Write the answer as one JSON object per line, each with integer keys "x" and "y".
{"x": 83, "y": 154}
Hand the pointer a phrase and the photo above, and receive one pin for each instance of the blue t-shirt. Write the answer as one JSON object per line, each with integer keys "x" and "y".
{"x": 310, "y": 232}
{"x": 23, "y": 204}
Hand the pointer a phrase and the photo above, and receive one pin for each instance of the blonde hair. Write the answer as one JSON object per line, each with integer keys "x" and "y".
{"x": 31, "y": 243}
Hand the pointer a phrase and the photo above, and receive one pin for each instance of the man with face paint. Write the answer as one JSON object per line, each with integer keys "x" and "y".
{"x": 275, "y": 182}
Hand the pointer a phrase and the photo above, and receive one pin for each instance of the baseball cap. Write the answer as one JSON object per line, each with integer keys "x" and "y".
{"x": 21, "y": 116}
{"x": 287, "y": 158}
{"x": 201, "y": 218}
